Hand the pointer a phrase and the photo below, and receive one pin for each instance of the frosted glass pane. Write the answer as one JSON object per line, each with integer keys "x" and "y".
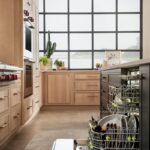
{"x": 40, "y": 5}
{"x": 98, "y": 58}
{"x": 63, "y": 56}
{"x": 41, "y": 23}
{"x": 128, "y": 41}
{"x": 106, "y": 41}
{"x": 104, "y": 5}
{"x": 129, "y": 22}
{"x": 56, "y": 5}
{"x": 56, "y": 22}
{"x": 128, "y": 5}
{"x": 80, "y": 41}
{"x": 41, "y": 42}
{"x": 104, "y": 23}
{"x": 60, "y": 39}
{"x": 80, "y": 60}
{"x": 80, "y": 22}
{"x": 129, "y": 56}
{"x": 80, "y": 5}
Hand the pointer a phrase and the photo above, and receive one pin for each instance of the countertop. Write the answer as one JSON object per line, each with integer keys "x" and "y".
{"x": 65, "y": 71}
{"x": 130, "y": 64}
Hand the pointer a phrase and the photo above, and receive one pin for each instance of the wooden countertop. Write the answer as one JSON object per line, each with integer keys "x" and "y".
{"x": 130, "y": 64}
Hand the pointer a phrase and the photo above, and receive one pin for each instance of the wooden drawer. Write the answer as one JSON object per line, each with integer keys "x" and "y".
{"x": 15, "y": 95}
{"x": 36, "y": 79}
{"x": 87, "y": 85}
{"x": 36, "y": 89}
{"x": 87, "y": 98}
{"x": 36, "y": 105}
{"x": 27, "y": 108}
{"x": 4, "y": 100}
{"x": 4, "y": 127}
{"x": 90, "y": 76}
{"x": 15, "y": 117}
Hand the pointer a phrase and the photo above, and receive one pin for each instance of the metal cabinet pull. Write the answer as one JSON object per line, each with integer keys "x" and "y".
{"x": 3, "y": 126}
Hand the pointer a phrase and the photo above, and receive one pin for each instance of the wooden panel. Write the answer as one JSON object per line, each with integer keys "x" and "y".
{"x": 36, "y": 105}
{"x": 58, "y": 88}
{"x": 87, "y": 98}
{"x": 15, "y": 117}
{"x": 4, "y": 102}
{"x": 15, "y": 95}
{"x": 7, "y": 31}
{"x": 4, "y": 127}
{"x": 27, "y": 108}
{"x": 93, "y": 76}
{"x": 90, "y": 85}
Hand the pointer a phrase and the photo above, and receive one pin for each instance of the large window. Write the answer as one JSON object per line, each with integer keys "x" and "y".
{"x": 84, "y": 29}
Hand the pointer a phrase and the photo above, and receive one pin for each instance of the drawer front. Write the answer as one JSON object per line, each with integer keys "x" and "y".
{"x": 4, "y": 100}
{"x": 87, "y": 85}
{"x": 104, "y": 77}
{"x": 4, "y": 127}
{"x": 36, "y": 105}
{"x": 115, "y": 79}
{"x": 87, "y": 98}
{"x": 15, "y": 118}
{"x": 27, "y": 109}
{"x": 15, "y": 95}
{"x": 87, "y": 76}
{"x": 36, "y": 79}
{"x": 36, "y": 90}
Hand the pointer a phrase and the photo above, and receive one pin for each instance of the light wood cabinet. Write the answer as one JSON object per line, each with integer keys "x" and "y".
{"x": 58, "y": 88}
{"x": 15, "y": 117}
{"x": 4, "y": 127}
{"x": 15, "y": 95}
{"x": 4, "y": 99}
{"x": 71, "y": 88}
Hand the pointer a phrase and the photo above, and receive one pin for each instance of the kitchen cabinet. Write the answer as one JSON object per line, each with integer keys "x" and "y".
{"x": 71, "y": 88}
{"x": 58, "y": 88}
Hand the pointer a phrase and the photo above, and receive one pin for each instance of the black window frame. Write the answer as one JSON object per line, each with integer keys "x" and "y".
{"x": 92, "y": 32}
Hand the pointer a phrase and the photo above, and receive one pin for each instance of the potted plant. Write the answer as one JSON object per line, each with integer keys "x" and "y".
{"x": 44, "y": 62}
{"x": 59, "y": 64}
{"x": 51, "y": 47}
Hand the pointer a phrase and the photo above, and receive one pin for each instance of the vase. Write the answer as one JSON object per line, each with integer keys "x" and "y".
{"x": 50, "y": 63}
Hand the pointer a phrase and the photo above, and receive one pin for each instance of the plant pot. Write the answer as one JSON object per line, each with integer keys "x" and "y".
{"x": 50, "y": 64}
{"x": 43, "y": 68}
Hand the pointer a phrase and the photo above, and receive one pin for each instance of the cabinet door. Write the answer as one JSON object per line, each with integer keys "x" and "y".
{"x": 58, "y": 88}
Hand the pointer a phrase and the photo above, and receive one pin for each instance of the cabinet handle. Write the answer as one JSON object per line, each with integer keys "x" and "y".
{"x": 37, "y": 102}
{"x": 16, "y": 116}
{"x": 104, "y": 91}
{"x": 92, "y": 76}
{"x": 92, "y": 96}
{"x": 3, "y": 126}
{"x": 2, "y": 98}
{"x": 29, "y": 107}
{"x": 92, "y": 85}
{"x": 37, "y": 86}
{"x": 15, "y": 94}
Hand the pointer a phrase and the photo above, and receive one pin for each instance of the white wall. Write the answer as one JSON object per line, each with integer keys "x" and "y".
{"x": 146, "y": 29}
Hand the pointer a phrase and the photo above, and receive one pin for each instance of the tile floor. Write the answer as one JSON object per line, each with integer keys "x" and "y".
{"x": 68, "y": 120}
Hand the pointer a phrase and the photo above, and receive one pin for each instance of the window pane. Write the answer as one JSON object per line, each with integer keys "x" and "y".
{"x": 63, "y": 56}
{"x": 129, "y": 22}
{"x": 41, "y": 41}
{"x": 129, "y": 56}
{"x": 104, "y": 23}
{"x": 41, "y": 23}
{"x": 128, "y": 5}
{"x": 104, "y": 41}
{"x": 56, "y": 5}
{"x": 80, "y": 5}
{"x": 80, "y": 22}
{"x": 40, "y": 5}
{"x": 80, "y": 41}
{"x": 98, "y": 57}
{"x": 104, "y": 5}
{"x": 56, "y": 22}
{"x": 80, "y": 60}
{"x": 60, "y": 39}
{"x": 128, "y": 41}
